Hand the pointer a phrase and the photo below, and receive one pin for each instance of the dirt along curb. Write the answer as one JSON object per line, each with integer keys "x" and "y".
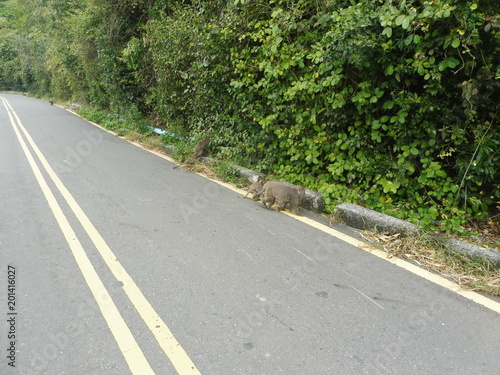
{"x": 366, "y": 219}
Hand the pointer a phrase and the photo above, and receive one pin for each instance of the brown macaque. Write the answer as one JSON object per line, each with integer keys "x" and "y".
{"x": 201, "y": 148}
{"x": 256, "y": 189}
{"x": 274, "y": 191}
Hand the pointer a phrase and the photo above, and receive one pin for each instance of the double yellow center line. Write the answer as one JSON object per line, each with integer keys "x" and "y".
{"x": 132, "y": 353}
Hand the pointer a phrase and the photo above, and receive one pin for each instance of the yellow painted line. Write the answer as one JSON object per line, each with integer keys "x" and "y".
{"x": 131, "y": 351}
{"x": 169, "y": 344}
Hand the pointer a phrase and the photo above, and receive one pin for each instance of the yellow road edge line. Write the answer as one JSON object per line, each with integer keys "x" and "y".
{"x": 131, "y": 351}
{"x": 168, "y": 343}
{"x": 436, "y": 279}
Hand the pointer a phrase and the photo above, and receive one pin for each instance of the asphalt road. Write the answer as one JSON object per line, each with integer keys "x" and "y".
{"x": 113, "y": 262}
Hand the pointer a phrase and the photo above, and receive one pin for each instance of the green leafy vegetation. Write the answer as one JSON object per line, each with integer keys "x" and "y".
{"x": 131, "y": 121}
{"x": 228, "y": 173}
{"x": 392, "y": 105}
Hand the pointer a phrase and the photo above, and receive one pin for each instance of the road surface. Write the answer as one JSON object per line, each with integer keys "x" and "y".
{"x": 113, "y": 262}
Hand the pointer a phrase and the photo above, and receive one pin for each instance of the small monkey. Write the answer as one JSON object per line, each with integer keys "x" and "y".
{"x": 274, "y": 191}
{"x": 200, "y": 148}
{"x": 256, "y": 189}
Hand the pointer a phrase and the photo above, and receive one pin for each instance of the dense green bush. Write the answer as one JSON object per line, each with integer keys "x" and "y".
{"x": 397, "y": 102}
{"x": 393, "y": 105}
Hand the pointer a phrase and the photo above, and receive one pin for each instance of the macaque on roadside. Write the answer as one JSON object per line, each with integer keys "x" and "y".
{"x": 201, "y": 148}
{"x": 256, "y": 189}
{"x": 284, "y": 194}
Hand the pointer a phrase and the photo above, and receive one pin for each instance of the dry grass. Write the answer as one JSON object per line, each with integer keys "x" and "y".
{"x": 197, "y": 166}
{"x": 474, "y": 274}
{"x": 152, "y": 142}
{"x": 133, "y": 136}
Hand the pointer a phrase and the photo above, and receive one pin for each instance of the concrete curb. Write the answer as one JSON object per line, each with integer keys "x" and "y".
{"x": 169, "y": 149}
{"x": 473, "y": 251}
{"x": 363, "y": 218}
{"x": 249, "y": 174}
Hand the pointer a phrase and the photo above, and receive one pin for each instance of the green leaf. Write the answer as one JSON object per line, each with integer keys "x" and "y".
{"x": 389, "y": 104}
{"x": 276, "y": 12}
{"x": 406, "y": 23}
{"x": 455, "y": 43}
{"x": 440, "y": 173}
{"x": 399, "y": 19}
{"x": 442, "y": 65}
{"x": 452, "y": 62}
